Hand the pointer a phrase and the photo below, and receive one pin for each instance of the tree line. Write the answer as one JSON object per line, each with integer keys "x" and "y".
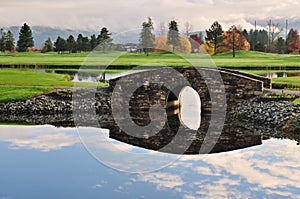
{"x": 82, "y": 44}
{"x": 216, "y": 41}
{"x": 237, "y": 38}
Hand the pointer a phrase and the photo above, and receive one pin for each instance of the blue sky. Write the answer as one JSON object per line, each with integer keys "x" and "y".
{"x": 119, "y": 15}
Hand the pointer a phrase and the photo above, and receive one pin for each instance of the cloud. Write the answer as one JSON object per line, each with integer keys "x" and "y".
{"x": 162, "y": 180}
{"x": 43, "y": 138}
{"x": 120, "y": 15}
{"x": 269, "y": 170}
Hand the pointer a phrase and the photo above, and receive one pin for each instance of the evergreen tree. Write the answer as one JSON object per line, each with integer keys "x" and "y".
{"x": 48, "y": 46}
{"x": 10, "y": 43}
{"x": 258, "y": 40}
{"x": 71, "y": 44}
{"x": 173, "y": 35}
{"x": 25, "y": 39}
{"x": 60, "y": 44}
{"x": 280, "y": 45}
{"x": 93, "y": 41}
{"x": 104, "y": 40}
{"x": 2, "y": 40}
{"x": 79, "y": 43}
{"x": 86, "y": 45}
{"x": 245, "y": 34}
{"x": 214, "y": 34}
{"x": 146, "y": 36}
{"x": 262, "y": 38}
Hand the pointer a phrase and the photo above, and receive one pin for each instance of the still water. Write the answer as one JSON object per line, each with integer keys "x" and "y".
{"x": 50, "y": 162}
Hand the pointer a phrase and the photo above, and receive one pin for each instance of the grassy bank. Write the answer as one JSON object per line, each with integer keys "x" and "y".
{"x": 18, "y": 93}
{"x": 22, "y": 84}
{"x": 287, "y": 82}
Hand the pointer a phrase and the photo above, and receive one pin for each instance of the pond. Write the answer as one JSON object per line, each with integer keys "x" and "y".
{"x": 51, "y": 162}
{"x": 282, "y": 74}
{"x": 85, "y": 76}
{"x": 48, "y": 161}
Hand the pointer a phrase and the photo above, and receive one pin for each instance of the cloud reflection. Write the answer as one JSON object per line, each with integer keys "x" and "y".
{"x": 270, "y": 170}
{"x": 32, "y": 137}
{"x": 267, "y": 171}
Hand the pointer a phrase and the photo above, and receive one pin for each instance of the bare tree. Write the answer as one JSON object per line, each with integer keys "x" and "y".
{"x": 239, "y": 28}
{"x": 188, "y": 28}
{"x": 161, "y": 29}
{"x": 274, "y": 31}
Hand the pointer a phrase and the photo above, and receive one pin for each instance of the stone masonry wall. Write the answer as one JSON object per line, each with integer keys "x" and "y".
{"x": 238, "y": 88}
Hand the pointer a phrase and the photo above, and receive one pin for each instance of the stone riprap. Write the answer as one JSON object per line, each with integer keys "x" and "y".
{"x": 267, "y": 116}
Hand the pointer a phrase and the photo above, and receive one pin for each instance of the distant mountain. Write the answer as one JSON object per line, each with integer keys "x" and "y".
{"x": 41, "y": 33}
{"x": 292, "y": 23}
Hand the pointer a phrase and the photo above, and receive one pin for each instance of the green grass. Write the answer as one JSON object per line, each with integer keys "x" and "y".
{"x": 22, "y": 84}
{"x": 256, "y": 59}
{"x": 242, "y": 59}
{"x": 42, "y": 59}
{"x": 28, "y": 78}
{"x": 8, "y": 123}
{"x": 296, "y": 102}
{"x": 289, "y": 82}
{"x": 24, "y": 78}
{"x": 18, "y": 93}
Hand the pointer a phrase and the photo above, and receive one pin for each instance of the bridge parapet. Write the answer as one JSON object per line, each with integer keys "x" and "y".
{"x": 237, "y": 87}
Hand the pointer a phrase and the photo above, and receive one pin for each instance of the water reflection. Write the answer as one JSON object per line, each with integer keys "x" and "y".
{"x": 95, "y": 77}
{"x": 85, "y": 76}
{"x": 270, "y": 170}
{"x": 282, "y": 74}
{"x": 190, "y": 109}
{"x": 44, "y": 138}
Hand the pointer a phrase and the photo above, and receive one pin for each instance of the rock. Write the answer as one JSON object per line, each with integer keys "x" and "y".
{"x": 267, "y": 116}
{"x": 57, "y": 102}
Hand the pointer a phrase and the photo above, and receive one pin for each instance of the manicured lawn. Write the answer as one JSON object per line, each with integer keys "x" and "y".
{"x": 42, "y": 59}
{"x": 14, "y": 77}
{"x": 242, "y": 59}
{"x": 289, "y": 82}
{"x": 28, "y": 78}
{"x": 256, "y": 59}
{"x": 19, "y": 93}
{"x": 22, "y": 84}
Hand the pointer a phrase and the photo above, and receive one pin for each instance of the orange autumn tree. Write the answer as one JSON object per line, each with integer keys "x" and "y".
{"x": 160, "y": 43}
{"x": 234, "y": 40}
{"x": 184, "y": 46}
{"x": 207, "y": 47}
{"x": 293, "y": 41}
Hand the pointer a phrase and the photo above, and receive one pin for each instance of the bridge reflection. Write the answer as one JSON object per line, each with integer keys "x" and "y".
{"x": 177, "y": 138}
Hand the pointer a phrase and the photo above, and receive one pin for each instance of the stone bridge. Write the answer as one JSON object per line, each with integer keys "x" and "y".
{"x": 219, "y": 90}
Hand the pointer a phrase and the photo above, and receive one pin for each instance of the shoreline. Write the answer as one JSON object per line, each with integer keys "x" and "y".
{"x": 267, "y": 116}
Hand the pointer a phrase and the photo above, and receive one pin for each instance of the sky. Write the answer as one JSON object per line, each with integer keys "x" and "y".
{"x": 121, "y": 15}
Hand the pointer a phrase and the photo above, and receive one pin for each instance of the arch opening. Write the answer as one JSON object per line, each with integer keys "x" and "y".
{"x": 190, "y": 108}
